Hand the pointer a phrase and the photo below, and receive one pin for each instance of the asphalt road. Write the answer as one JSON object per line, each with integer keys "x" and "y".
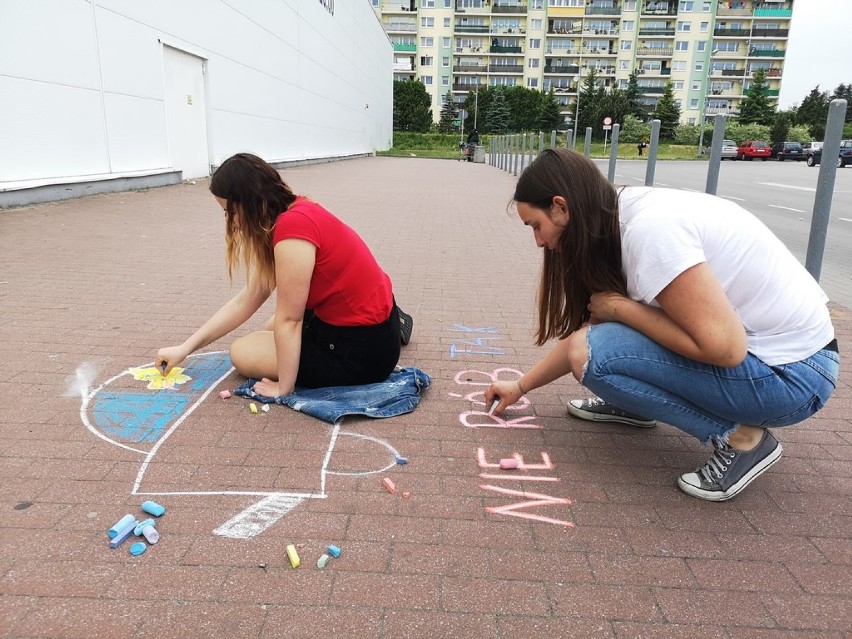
{"x": 781, "y": 194}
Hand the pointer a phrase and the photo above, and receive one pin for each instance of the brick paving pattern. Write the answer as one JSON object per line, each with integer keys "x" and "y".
{"x": 590, "y": 539}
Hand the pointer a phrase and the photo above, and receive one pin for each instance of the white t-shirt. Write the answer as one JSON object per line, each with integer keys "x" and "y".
{"x": 666, "y": 231}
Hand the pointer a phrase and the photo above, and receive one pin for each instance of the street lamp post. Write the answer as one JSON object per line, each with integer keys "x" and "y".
{"x": 703, "y": 113}
{"x": 576, "y": 114}
{"x": 476, "y": 101}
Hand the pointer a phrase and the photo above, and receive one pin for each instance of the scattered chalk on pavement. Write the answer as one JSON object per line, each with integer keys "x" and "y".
{"x": 334, "y": 551}
{"x": 401, "y": 460}
{"x": 389, "y": 485}
{"x": 225, "y": 394}
{"x": 138, "y": 548}
{"x": 293, "y": 556}
{"x": 406, "y": 495}
{"x": 153, "y": 508}
{"x": 253, "y": 408}
{"x": 322, "y": 561}
{"x": 508, "y": 463}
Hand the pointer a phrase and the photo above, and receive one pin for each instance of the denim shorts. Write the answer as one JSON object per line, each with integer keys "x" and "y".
{"x": 632, "y": 371}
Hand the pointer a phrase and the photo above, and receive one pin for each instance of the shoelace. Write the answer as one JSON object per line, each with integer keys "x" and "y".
{"x": 715, "y": 467}
{"x": 595, "y": 401}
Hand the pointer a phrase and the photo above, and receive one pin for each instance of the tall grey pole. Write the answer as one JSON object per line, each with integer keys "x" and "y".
{"x": 515, "y": 149}
{"x": 715, "y": 155}
{"x": 825, "y": 187}
{"x": 613, "y": 152}
{"x": 553, "y": 139}
{"x": 532, "y": 148}
{"x": 651, "y": 168}
{"x": 587, "y": 150}
{"x": 540, "y": 141}
{"x": 568, "y": 135}
{"x": 523, "y": 150}
{"x": 577, "y": 114}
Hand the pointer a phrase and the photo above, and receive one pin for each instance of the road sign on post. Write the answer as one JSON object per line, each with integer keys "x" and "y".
{"x": 607, "y": 123}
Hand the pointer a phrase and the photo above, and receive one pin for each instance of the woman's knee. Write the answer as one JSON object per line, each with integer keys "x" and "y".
{"x": 254, "y": 355}
{"x": 578, "y": 352}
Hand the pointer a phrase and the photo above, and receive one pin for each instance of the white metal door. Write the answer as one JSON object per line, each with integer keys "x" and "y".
{"x": 186, "y": 120}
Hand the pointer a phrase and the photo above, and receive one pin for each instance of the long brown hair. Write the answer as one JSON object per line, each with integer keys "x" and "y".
{"x": 256, "y": 195}
{"x": 588, "y": 257}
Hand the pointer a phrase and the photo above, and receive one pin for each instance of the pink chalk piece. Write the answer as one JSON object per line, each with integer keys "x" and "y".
{"x": 300, "y": 546}
{"x": 225, "y": 394}
{"x": 508, "y": 463}
{"x": 406, "y": 495}
{"x": 389, "y": 485}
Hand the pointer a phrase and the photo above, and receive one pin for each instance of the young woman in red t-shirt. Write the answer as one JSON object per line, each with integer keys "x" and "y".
{"x": 335, "y": 319}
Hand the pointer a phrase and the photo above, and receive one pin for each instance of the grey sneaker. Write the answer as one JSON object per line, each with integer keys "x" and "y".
{"x": 729, "y": 470}
{"x": 595, "y": 409}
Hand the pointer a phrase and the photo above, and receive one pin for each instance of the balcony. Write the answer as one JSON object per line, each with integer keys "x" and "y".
{"x": 727, "y": 11}
{"x": 731, "y": 33}
{"x": 469, "y": 68}
{"x": 509, "y": 7}
{"x": 660, "y": 9}
{"x": 400, "y": 67}
{"x": 404, "y": 47}
{"x": 469, "y": 87}
{"x": 652, "y": 90}
{"x": 569, "y": 69}
{"x": 503, "y": 49}
{"x": 400, "y": 27}
{"x": 773, "y": 13}
{"x": 603, "y": 70}
{"x": 651, "y": 71}
{"x": 603, "y": 10}
{"x": 737, "y": 73}
{"x": 560, "y": 52}
{"x": 659, "y": 52}
{"x": 472, "y": 28}
{"x": 766, "y": 53}
{"x": 666, "y": 33}
{"x": 770, "y": 33}
{"x": 506, "y": 68}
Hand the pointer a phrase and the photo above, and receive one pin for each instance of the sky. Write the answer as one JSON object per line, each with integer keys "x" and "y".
{"x": 817, "y": 50}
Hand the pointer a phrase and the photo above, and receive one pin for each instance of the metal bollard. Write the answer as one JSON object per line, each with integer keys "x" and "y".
{"x": 587, "y": 150}
{"x": 553, "y": 139}
{"x": 652, "y": 153}
{"x": 715, "y": 155}
{"x": 613, "y": 152}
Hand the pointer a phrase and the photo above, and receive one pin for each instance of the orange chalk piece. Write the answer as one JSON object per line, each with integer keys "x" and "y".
{"x": 389, "y": 486}
{"x": 293, "y": 556}
{"x": 225, "y": 394}
{"x": 508, "y": 463}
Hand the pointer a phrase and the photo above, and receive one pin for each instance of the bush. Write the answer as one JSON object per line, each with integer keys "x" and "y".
{"x": 633, "y": 130}
{"x": 688, "y": 134}
{"x": 739, "y": 133}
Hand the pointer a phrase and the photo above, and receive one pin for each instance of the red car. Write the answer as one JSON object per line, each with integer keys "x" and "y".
{"x": 751, "y": 149}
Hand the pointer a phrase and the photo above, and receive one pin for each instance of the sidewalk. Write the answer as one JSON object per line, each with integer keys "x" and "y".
{"x": 590, "y": 539}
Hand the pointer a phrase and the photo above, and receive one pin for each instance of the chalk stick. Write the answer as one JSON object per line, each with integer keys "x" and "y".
{"x": 225, "y": 394}
{"x": 322, "y": 561}
{"x": 401, "y": 460}
{"x": 138, "y": 548}
{"x": 389, "y": 486}
{"x": 120, "y": 525}
{"x": 494, "y": 406}
{"x": 253, "y": 408}
{"x": 293, "y": 556}
{"x": 508, "y": 463}
{"x": 334, "y": 551}
{"x": 265, "y": 408}
{"x": 151, "y": 535}
{"x": 142, "y": 525}
{"x": 153, "y": 508}
{"x": 123, "y": 535}
{"x": 406, "y": 495}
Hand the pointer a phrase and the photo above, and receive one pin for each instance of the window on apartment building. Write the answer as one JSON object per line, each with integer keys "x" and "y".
{"x": 446, "y": 42}
{"x": 448, "y": 4}
{"x": 427, "y": 22}
{"x": 701, "y": 45}
{"x": 678, "y": 85}
{"x": 704, "y": 27}
{"x": 727, "y": 45}
{"x": 426, "y": 61}
{"x": 686, "y": 5}
{"x": 623, "y": 65}
{"x": 427, "y": 4}
{"x": 696, "y": 86}
{"x": 690, "y": 121}
{"x": 535, "y": 43}
{"x": 445, "y": 61}
{"x": 533, "y": 63}
{"x": 532, "y": 83}
{"x": 445, "y": 80}
{"x": 426, "y": 79}
{"x": 376, "y": 3}
{"x": 684, "y": 26}
{"x": 693, "y": 103}
{"x": 427, "y": 42}
{"x": 566, "y": 3}
{"x": 535, "y": 24}
{"x": 682, "y": 45}
{"x": 626, "y": 45}
{"x": 699, "y": 66}
{"x": 679, "y": 65}
{"x": 705, "y": 8}
{"x": 630, "y": 5}
{"x": 537, "y": 4}
{"x": 448, "y": 22}
{"x": 628, "y": 25}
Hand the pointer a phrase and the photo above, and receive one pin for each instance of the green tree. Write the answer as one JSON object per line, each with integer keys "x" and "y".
{"x": 524, "y": 105}
{"x": 614, "y": 105}
{"x": 633, "y": 130}
{"x": 813, "y": 112}
{"x": 780, "y": 130}
{"x": 475, "y": 104}
{"x": 589, "y": 97}
{"x": 844, "y": 92}
{"x": 449, "y": 112}
{"x": 667, "y": 112}
{"x": 411, "y": 106}
{"x": 634, "y": 104}
{"x": 755, "y": 107}
{"x": 497, "y": 117}
{"x": 549, "y": 115}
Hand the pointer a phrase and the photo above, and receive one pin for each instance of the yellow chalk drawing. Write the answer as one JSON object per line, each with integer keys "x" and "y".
{"x": 157, "y": 381}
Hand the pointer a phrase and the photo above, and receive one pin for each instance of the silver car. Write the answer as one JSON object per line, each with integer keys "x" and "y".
{"x": 729, "y": 150}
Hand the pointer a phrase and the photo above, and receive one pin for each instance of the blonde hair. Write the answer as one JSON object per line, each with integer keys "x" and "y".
{"x": 255, "y": 195}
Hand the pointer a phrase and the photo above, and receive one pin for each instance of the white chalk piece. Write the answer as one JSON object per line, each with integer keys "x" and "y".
{"x": 494, "y": 406}
{"x": 150, "y": 534}
{"x": 322, "y": 561}
{"x": 265, "y": 408}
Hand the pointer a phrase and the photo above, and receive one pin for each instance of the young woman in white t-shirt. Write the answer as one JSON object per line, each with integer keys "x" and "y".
{"x": 674, "y": 306}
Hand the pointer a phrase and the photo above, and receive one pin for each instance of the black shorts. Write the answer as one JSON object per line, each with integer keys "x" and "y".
{"x": 347, "y": 355}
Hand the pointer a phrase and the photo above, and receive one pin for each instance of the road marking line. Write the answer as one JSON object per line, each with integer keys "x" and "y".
{"x": 787, "y": 186}
{"x": 845, "y": 219}
{"x": 731, "y": 197}
{"x": 786, "y": 208}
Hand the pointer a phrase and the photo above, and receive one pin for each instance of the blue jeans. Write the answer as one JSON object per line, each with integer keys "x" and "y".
{"x": 632, "y": 371}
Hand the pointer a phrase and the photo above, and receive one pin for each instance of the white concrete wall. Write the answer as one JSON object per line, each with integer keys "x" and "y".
{"x": 81, "y": 82}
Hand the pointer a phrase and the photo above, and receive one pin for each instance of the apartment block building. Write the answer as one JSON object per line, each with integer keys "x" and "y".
{"x": 708, "y": 49}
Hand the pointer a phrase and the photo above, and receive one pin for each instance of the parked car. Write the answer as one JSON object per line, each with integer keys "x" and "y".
{"x": 844, "y": 157}
{"x": 808, "y": 147}
{"x": 787, "y": 151}
{"x": 751, "y": 149}
{"x": 729, "y": 150}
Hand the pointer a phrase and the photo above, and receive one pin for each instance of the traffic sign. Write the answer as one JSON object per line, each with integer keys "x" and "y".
{"x": 607, "y": 121}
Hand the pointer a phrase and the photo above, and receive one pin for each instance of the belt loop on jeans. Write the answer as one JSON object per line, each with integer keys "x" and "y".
{"x": 831, "y": 346}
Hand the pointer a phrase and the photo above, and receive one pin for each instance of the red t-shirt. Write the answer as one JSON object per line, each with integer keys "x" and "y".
{"x": 348, "y": 287}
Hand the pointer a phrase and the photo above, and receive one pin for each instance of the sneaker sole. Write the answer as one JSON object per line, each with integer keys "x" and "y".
{"x": 759, "y": 468}
{"x": 597, "y": 417}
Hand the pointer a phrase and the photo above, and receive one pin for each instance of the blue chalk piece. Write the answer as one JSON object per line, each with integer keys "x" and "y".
{"x": 334, "y": 551}
{"x": 401, "y": 460}
{"x": 120, "y": 525}
{"x": 138, "y": 548}
{"x": 123, "y": 535}
{"x": 142, "y": 525}
{"x": 153, "y": 508}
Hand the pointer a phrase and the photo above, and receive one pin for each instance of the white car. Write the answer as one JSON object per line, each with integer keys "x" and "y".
{"x": 729, "y": 150}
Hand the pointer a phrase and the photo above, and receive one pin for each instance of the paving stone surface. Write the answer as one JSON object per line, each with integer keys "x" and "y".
{"x": 590, "y": 539}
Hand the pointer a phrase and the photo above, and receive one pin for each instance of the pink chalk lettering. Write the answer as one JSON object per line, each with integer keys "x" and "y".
{"x": 537, "y": 500}
{"x": 522, "y": 465}
{"x": 516, "y": 477}
{"x": 460, "y": 328}
{"x": 495, "y": 421}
